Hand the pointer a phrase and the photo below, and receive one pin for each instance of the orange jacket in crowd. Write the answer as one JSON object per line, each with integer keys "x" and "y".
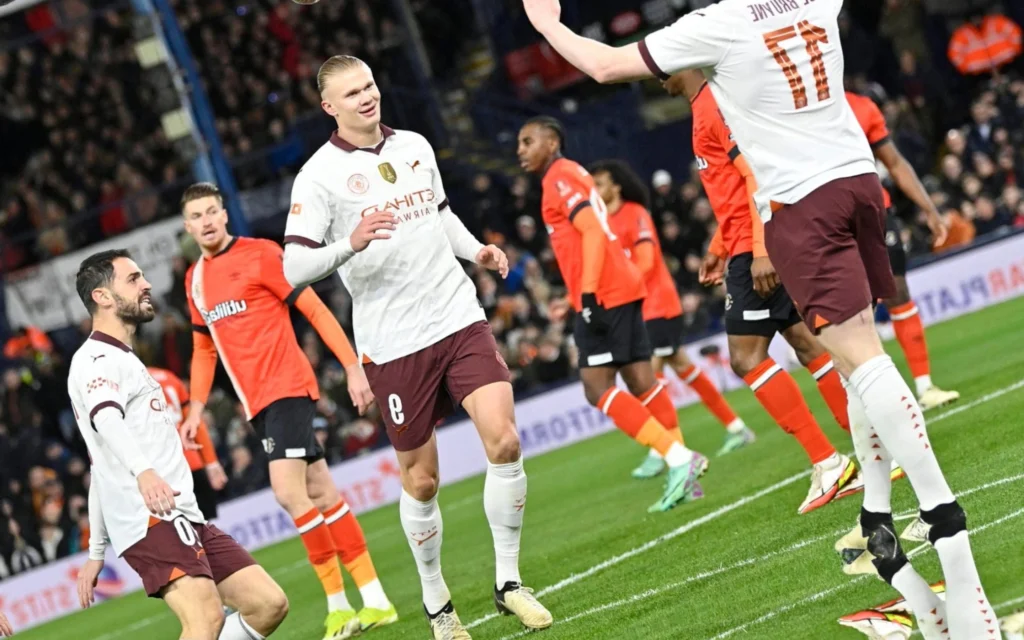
{"x": 985, "y": 46}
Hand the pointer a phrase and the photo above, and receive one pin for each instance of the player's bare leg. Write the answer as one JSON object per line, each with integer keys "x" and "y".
{"x": 737, "y": 432}
{"x": 890, "y": 407}
{"x": 288, "y": 481}
{"x": 779, "y": 394}
{"x": 350, "y": 544}
{"x": 652, "y": 425}
{"x": 490, "y": 407}
{"x": 259, "y": 604}
{"x": 196, "y": 604}
{"x": 906, "y": 322}
{"x": 424, "y": 529}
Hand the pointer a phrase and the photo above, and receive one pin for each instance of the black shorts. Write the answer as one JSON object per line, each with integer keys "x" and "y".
{"x": 625, "y": 341}
{"x": 286, "y": 428}
{"x": 206, "y": 497}
{"x": 894, "y": 243}
{"x": 666, "y": 335}
{"x": 748, "y": 314}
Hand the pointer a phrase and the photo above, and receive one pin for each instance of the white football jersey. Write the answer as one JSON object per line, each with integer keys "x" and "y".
{"x": 408, "y": 291}
{"x": 775, "y": 68}
{"x": 106, "y": 373}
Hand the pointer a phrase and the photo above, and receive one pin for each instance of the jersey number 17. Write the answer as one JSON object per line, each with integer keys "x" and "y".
{"x": 812, "y": 35}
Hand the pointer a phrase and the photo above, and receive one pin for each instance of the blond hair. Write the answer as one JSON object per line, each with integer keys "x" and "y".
{"x": 335, "y": 65}
{"x": 199, "y": 191}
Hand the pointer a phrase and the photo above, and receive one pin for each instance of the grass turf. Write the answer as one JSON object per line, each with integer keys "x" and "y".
{"x": 736, "y": 566}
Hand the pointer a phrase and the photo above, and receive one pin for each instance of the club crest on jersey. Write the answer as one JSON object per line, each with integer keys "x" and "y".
{"x": 388, "y": 172}
{"x": 358, "y": 184}
{"x": 223, "y": 310}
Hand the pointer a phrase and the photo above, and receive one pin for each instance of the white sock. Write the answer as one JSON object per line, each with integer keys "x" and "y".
{"x": 236, "y": 628}
{"x": 923, "y": 383}
{"x": 373, "y": 595}
{"x": 424, "y": 529}
{"x": 505, "y": 504}
{"x": 736, "y": 426}
{"x": 678, "y": 455}
{"x": 923, "y": 601}
{"x": 654, "y": 454}
{"x": 971, "y": 615}
{"x": 830, "y": 462}
{"x": 899, "y": 422}
{"x": 875, "y": 461}
{"x": 338, "y": 602}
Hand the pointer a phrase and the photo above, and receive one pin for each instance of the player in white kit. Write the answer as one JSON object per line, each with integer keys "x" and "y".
{"x": 141, "y": 495}
{"x": 370, "y": 204}
{"x": 776, "y": 68}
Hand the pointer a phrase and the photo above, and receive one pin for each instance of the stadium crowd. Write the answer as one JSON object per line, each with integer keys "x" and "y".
{"x": 258, "y": 63}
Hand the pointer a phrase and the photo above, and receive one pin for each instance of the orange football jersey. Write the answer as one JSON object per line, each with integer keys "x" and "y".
{"x": 633, "y": 225}
{"x": 724, "y": 185}
{"x": 871, "y": 120}
{"x": 567, "y": 190}
{"x": 245, "y": 310}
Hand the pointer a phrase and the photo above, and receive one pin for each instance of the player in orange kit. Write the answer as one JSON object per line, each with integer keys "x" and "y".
{"x": 607, "y": 291}
{"x": 905, "y": 318}
{"x": 756, "y": 306}
{"x": 207, "y": 473}
{"x": 627, "y": 200}
{"x": 239, "y": 300}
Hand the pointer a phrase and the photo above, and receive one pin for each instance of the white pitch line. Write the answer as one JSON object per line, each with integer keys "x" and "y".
{"x": 760, "y": 558}
{"x": 629, "y": 554}
{"x": 577, "y": 577}
{"x": 827, "y": 592}
{"x": 675, "y": 533}
{"x": 1009, "y": 603}
{"x": 704, "y": 575}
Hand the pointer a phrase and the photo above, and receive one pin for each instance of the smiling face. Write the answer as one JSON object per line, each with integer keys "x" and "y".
{"x": 206, "y": 220}
{"x": 350, "y": 95}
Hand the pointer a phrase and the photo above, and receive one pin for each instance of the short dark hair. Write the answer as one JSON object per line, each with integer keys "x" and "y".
{"x": 97, "y": 271}
{"x": 200, "y": 190}
{"x": 551, "y": 124}
{"x": 630, "y": 184}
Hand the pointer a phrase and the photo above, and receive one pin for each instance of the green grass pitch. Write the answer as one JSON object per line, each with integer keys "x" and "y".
{"x": 739, "y": 563}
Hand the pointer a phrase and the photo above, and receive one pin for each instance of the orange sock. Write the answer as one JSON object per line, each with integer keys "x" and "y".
{"x": 906, "y": 321}
{"x": 709, "y": 393}
{"x": 831, "y": 388}
{"x": 778, "y": 393}
{"x": 320, "y": 549}
{"x": 350, "y": 543}
{"x": 660, "y": 405}
{"x": 633, "y": 418}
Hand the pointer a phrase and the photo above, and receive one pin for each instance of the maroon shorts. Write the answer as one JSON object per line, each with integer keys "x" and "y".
{"x": 417, "y": 391}
{"x": 177, "y": 548}
{"x": 829, "y": 249}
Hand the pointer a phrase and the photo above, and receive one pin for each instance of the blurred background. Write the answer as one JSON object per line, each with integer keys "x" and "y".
{"x": 109, "y": 108}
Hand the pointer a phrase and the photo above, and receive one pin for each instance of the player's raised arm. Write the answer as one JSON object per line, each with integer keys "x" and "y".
{"x": 695, "y": 41}
{"x": 306, "y": 258}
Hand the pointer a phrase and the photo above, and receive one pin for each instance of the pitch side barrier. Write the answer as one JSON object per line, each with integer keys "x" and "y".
{"x": 945, "y": 288}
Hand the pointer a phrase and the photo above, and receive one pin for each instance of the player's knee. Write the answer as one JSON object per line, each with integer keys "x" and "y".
{"x": 421, "y": 484}
{"x": 594, "y": 392}
{"x": 505, "y": 448}
{"x": 291, "y": 498}
{"x": 743, "y": 362}
{"x": 946, "y": 521}
{"x": 212, "y": 620}
{"x": 276, "y": 608}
